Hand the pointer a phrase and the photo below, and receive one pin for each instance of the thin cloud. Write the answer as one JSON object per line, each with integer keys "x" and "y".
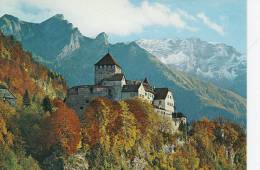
{"x": 119, "y": 17}
{"x": 186, "y": 15}
{"x": 212, "y": 25}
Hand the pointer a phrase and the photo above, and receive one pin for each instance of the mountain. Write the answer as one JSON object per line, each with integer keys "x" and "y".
{"x": 215, "y": 62}
{"x": 61, "y": 47}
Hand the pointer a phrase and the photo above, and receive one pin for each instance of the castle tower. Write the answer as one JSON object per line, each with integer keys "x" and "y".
{"x": 105, "y": 68}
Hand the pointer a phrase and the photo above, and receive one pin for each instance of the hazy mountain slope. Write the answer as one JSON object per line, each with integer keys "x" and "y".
{"x": 194, "y": 97}
{"x": 73, "y": 56}
{"x": 215, "y": 62}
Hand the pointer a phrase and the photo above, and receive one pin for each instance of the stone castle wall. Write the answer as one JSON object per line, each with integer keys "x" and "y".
{"x": 102, "y": 72}
{"x": 80, "y": 96}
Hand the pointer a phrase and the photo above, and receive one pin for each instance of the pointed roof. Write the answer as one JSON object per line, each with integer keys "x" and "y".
{"x": 107, "y": 60}
{"x": 160, "y": 93}
{"x": 146, "y": 81}
{"x": 147, "y": 86}
{"x": 131, "y": 88}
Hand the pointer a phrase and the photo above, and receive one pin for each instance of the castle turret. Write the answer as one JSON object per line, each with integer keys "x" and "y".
{"x": 105, "y": 68}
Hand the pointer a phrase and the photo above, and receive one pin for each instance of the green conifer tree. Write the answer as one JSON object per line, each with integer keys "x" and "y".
{"x": 46, "y": 104}
{"x": 26, "y": 98}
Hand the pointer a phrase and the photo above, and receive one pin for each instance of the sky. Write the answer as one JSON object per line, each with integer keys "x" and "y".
{"x": 222, "y": 21}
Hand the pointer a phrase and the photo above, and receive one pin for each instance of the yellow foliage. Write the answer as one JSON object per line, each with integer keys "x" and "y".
{"x": 5, "y": 136}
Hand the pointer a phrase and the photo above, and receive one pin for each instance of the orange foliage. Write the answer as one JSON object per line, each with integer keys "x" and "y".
{"x": 93, "y": 119}
{"x": 140, "y": 112}
{"x": 204, "y": 126}
{"x": 19, "y": 71}
{"x": 62, "y": 127}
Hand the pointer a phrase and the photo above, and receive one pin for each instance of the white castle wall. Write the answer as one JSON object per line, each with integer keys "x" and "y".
{"x": 166, "y": 104}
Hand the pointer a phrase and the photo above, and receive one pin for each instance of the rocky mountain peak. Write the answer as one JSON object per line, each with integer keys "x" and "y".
{"x": 216, "y": 62}
{"x": 59, "y": 16}
{"x": 62, "y": 48}
{"x": 102, "y": 38}
{"x": 56, "y": 20}
{"x": 11, "y": 25}
{"x": 10, "y": 17}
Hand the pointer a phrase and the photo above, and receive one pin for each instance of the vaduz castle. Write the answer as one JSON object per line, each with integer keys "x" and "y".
{"x": 110, "y": 82}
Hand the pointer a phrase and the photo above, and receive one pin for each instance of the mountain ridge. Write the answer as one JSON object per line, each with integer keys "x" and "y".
{"x": 71, "y": 54}
{"x": 218, "y": 63}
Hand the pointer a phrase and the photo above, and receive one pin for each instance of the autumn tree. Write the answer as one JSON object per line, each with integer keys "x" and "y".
{"x": 61, "y": 128}
{"x": 6, "y": 137}
{"x": 127, "y": 134}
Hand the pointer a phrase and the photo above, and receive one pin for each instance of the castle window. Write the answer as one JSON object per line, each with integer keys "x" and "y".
{"x": 91, "y": 90}
{"x": 81, "y": 108}
{"x": 87, "y": 101}
{"x": 77, "y": 90}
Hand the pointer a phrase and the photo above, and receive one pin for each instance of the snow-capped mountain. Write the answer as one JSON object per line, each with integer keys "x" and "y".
{"x": 215, "y": 62}
{"x": 62, "y": 48}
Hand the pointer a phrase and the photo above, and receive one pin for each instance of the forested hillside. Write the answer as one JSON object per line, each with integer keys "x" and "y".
{"x": 34, "y": 86}
{"x": 19, "y": 72}
{"x": 41, "y": 132}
